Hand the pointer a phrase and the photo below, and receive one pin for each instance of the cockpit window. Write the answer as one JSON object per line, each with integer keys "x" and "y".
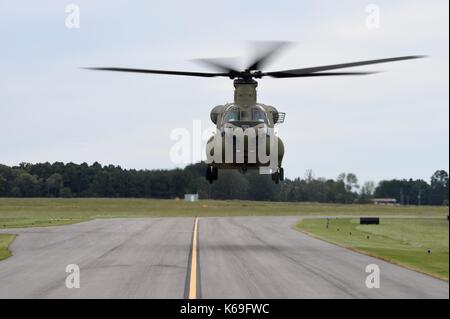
{"x": 258, "y": 115}
{"x": 255, "y": 114}
{"x": 231, "y": 116}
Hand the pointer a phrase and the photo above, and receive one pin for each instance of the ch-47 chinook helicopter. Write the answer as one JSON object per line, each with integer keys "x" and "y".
{"x": 249, "y": 116}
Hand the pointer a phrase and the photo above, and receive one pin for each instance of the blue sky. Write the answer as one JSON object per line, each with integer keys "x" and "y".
{"x": 392, "y": 124}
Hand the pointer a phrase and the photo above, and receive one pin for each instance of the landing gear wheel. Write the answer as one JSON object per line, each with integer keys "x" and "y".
{"x": 212, "y": 173}
{"x": 209, "y": 176}
{"x": 281, "y": 173}
{"x": 276, "y": 177}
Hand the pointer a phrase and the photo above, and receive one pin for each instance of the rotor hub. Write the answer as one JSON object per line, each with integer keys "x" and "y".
{"x": 242, "y": 80}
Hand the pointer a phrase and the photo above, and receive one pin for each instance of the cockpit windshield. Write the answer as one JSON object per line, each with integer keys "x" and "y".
{"x": 255, "y": 115}
{"x": 258, "y": 115}
{"x": 231, "y": 116}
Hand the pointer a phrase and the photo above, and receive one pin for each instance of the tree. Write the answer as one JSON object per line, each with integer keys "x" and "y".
{"x": 341, "y": 177}
{"x": 406, "y": 192}
{"x": 230, "y": 185}
{"x": 83, "y": 180}
{"x": 439, "y": 188}
{"x": 3, "y": 186}
{"x": 7, "y": 172}
{"x": 54, "y": 185}
{"x": 7, "y": 176}
{"x": 101, "y": 185}
{"x": 15, "y": 192}
{"x": 309, "y": 175}
{"x": 420, "y": 192}
{"x": 367, "y": 192}
{"x": 369, "y": 188}
{"x": 26, "y": 185}
{"x": 260, "y": 186}
{"x": 351, "y": 182}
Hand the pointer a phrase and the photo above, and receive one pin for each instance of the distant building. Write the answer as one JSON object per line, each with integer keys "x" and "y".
{"x": 191, "y": 197}
{"x": 384, "y": 201}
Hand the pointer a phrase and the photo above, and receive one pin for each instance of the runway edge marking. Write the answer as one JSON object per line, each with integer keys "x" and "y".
{"x": 193, "y": 274}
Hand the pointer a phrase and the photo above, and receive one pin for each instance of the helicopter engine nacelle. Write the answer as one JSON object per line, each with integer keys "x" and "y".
{"x": 275, "y": 116}
{"x": 215, "y": 112}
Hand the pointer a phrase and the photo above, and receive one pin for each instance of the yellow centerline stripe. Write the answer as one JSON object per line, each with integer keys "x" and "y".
{"x": 193, "y": 278}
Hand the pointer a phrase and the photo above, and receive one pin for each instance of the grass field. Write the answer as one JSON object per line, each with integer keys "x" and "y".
{"x": 5, "y": 241}
{"x": 401, "y": 241}
{"x": 19, "y": 212}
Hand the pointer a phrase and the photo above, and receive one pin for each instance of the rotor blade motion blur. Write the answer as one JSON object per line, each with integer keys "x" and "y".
{"x": 304, "y": 71}
{"x": 201, "y": 74}
{"x": 254, "y": 69}
{"x": 220, "y": 64}
{"x": 269, "y": 49}
{"x": 291, "y": 75}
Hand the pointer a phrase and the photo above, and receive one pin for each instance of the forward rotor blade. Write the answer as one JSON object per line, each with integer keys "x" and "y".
{"x": 270, "y": 49}
{"x": 340, "y": 66}
{"x": 291, "y": 75}
{"x": 221, "y": 64}
{"x": 201, "y": 74}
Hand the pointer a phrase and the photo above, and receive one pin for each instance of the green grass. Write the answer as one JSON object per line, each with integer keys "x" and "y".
{"x": 20, "y": 212}
{"x": 401, "y": 241}
{"x": 5, "y": 241}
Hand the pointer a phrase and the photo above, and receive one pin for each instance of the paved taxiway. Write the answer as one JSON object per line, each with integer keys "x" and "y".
{"x": 236, "y": 257}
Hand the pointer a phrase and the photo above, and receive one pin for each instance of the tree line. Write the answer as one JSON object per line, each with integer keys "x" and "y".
{"x": 83, "y": 180}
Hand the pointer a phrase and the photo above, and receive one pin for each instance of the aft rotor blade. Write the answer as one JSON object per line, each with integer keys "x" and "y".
{"x": 270, "y": 49}
{"x": 291, "y": 75}
{"x": 221, "y": 64}
{"x": 201, "y": 74}
{"x": 340, "y": 66}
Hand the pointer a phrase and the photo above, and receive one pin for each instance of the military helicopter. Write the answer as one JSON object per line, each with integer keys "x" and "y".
{"x": 248, "y": 116}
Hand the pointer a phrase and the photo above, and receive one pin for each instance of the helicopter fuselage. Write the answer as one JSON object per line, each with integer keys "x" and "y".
{"x": 245, "y": 136}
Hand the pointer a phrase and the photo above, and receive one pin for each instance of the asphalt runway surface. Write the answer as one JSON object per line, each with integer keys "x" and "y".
{"x": 226, "y": 257}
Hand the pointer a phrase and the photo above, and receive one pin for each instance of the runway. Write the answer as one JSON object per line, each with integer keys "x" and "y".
{"x": 234, "y": 257}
